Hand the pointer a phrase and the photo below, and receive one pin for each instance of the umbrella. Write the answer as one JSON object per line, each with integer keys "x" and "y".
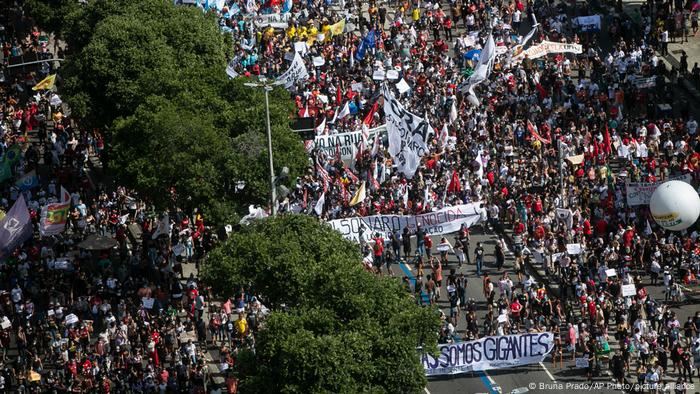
{"x": 473, "y": 54}
{"x": 98, "y": 242}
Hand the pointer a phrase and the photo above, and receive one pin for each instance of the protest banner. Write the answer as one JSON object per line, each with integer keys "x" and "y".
{"x": 489, "y": 353}
{"x": 408, "y": 134}
{"x": 346, "y": 142}
{"x": 296, "y": 72}
{"x": 643, "y": 83}
{"x": 276, "y": 21}
{"x": 639, "y": 193}
{"x": 443, "y": 221}
{"x": 547, "y": 48}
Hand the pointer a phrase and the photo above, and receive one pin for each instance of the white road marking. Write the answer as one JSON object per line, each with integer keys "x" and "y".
{"x": 426, "y": 390}
{"x": 548, "y": 373}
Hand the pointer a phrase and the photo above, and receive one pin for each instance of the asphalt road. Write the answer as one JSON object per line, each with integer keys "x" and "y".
{"x": 536, "y": 378}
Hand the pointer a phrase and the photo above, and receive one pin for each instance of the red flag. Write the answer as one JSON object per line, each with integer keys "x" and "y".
{"x": 325, "y": 177}
{"x": 346, "y": 197}
{"x": 353, "y": 178}
{"x": 535, "y": 134}
{"x": 338, "y": 95}
{"x": 370, "y": 115}
{"x": 455, "y": 185}
{"x": 606, "y": 139}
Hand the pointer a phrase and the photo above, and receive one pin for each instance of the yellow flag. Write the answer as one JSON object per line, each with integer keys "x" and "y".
{"x": 46, "y": 83}
{"x": 338, "y": 28}
{"x": 359, "y": 195}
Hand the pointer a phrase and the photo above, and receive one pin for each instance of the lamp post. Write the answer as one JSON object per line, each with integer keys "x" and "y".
{"x": 273, "y": 192}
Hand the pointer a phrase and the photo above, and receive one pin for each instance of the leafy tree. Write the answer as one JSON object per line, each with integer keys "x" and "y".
{"x": 133, "y": 64}
{"x": 342, "y": 329}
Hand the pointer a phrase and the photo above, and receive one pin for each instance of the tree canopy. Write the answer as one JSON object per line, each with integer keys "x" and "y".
{"x": 342, "y": 329}
{"x": 151, "y": 76}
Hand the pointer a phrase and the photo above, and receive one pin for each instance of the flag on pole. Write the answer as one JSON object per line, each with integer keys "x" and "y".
{"x": 345, "y": 111}
{"x": 606, "y": 140}
{"x": 163, "y": 227}
{"x": 370, "y": 116}
{"x": 442, "y": 138}
{"x": 324, "y": 176}
{"x": 480, "y": 160}
{"x": 305, "y": 112}
{"x": 375, "y": 145}
{"x": 55, "y": 216}
{"x": 338, "y": 28}
{"x": 320, "y": 203}
{"x": 338, "y": 95}
{"x": 455, "y": 185}
{"x": 353, "y": 178}
{"x": 28, "y": 181}
{"x": 453, "y": 112}
{"x": 15, "y": 227}
{"x": 531, "y": 128}
{"x": 12, "y": 154}
{"x": 46, "y": 83}
{"x": 359, "y": 196}
{"x": 320, "y": 129}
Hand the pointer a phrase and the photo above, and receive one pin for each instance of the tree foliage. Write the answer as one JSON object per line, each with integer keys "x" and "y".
{"x": 152, "y": 76}
{"x": 342, "y": 329}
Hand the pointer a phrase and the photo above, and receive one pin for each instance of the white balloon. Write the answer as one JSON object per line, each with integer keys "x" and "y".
{"x": 675, "y": 205}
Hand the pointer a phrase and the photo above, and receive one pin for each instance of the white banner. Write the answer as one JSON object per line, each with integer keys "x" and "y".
{"x": 443, "y": 221}
{"x": 276, "y": 21}
{"x": 489, "y": 353}
{"x": 548, "y": 47}
{"x": 296, "y": 72}
{"x": 639, "y": 193}
{"x": 408, "y": 135}
{"x": 346, "y": 142}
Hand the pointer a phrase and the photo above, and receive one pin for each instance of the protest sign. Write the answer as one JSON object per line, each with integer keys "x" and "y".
{"x": 588, "y": 23}
{"x": 489, "y": 353}
{"x": 639, "y": 193}
{"x": 71, "y": 319}
{"x": 581, "y": 362}
{"x": 5, "y": 323}
{"x": 574, "y": 249}
{"x": 643, "y": 83}
{"x": 408, "y": 134}
{"x": 443, "y": 221}
{"x": 610, "y": 272}
{"x": 629, "y": 290}
{"x": 148, "y": 302}
{"x": 346, "y": 142}
{"x": 296, "y": 72}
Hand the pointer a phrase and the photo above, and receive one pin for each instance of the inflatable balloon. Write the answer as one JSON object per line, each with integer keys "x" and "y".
{"x": 675, "y": 205}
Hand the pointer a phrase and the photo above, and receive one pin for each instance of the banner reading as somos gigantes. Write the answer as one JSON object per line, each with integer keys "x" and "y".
{"x": 444, "y": 221}
{"x": 489, "y": 353}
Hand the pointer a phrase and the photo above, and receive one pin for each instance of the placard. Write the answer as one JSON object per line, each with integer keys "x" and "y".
{"x": 148, "y": 302}
{"x": 610, "y": 272}
{"x": 378, "y": 75}
{"x": 582, "y": 362}
{"x": 318, "y": 61}
{"x": 443, "y": 248}
{"x": 502, "y": 318}
{"x": 402, "y": 86}
{"x": 71, "y": 319}
{"x": 5, "y": 323}
{"x": 574, "y": 249}
{"x": 629, "y": 290}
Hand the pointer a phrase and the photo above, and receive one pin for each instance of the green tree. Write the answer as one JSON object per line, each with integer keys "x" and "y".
{"x": 132, "y": 64}
{"x": 342, "y": 329}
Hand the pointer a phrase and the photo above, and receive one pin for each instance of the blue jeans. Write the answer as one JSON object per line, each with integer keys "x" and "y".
{"x": 478, "y": 265}
{"x": 420, "y": 249}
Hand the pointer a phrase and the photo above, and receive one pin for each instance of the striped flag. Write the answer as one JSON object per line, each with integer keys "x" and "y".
{"x": 353, "y": 178}
{"x": 531, "y": 128}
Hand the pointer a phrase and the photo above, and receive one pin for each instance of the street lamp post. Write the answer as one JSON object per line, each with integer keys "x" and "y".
{"x": 273, "y": 192}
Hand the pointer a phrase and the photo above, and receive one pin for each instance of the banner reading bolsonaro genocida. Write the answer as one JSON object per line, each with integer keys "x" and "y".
{"x": 489, "y": 353}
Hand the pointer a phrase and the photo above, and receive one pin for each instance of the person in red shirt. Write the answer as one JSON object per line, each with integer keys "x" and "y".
{"x": 515, "y": 309}
{"x": 428, "y": 242}
{"x": 378, "y": 250}
{"x": 518, "y": 227}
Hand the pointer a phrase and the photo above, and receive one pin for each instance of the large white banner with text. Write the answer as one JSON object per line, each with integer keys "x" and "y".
{"x": 444, "y": 221}
{"x": 639, "y": 193}
{"x": 489, "y": 353}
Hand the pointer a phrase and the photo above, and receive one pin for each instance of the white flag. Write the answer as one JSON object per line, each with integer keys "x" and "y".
{"x": 319, "y": 204}
{"x": 453, "y": 112}
{"x": 345, "y": 111}
{"x": 321, "y": 128}
{"x": 442, "y": 138}
{"x": 123, "y": 219}
{"x": 163, "y": 228}
{"x": 375, "y": 145}
{"x": 480, "y": 171}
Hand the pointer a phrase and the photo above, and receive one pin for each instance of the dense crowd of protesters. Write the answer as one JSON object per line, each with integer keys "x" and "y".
{"x": 125, "y": 319}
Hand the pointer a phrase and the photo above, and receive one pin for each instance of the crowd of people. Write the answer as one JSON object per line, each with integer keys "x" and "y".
{"x": 598, "y": 109}
{"x": 132, "y": 317}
